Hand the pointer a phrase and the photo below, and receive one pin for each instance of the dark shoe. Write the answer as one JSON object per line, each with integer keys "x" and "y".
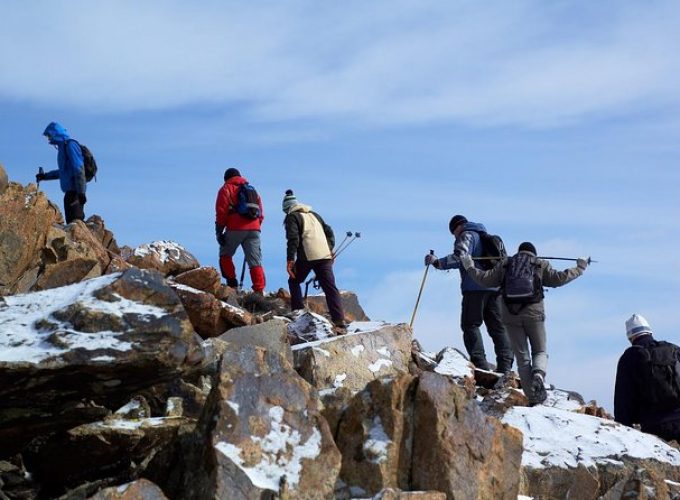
{"x": 538, "y": 389}
{"x": 232, "y": 282}
{"x": 506, "y": 381}
{"x": 340, "y": 327}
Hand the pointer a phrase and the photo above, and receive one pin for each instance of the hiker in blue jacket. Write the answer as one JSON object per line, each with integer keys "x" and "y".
{"x": 480, "y": 304}
{"x": 70, "y": 171}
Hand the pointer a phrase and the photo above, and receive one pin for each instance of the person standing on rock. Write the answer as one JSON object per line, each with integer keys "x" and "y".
{"x": 238, "y": 219}
{"x": 480, "y": 304}
{"x": 311, "y": 240}
{"x": 648, "y": 382}
{"x": 70, "y": 171}
{"x": 521, "y": 279}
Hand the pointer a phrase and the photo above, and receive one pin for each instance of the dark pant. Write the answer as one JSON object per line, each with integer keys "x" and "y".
{"x": 324, "y": 273}
{"x": 484, "y": 307}
{"x": 74, "y": 205}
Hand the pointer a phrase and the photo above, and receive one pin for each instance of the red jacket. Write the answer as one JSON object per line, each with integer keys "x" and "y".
{"x": 225, "y": 214}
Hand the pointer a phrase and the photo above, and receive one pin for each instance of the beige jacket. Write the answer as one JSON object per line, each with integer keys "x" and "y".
{"x": 308, "y": 235}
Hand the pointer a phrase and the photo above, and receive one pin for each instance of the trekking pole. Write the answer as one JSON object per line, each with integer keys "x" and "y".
{"x": 243, "y": 273}
{"x": 348, "y": 234}
{"x": 589, "y": 260}
{"x": 349, "y": 242}
{"x": 41, "y": 172}
{"x": 420, "y": 292}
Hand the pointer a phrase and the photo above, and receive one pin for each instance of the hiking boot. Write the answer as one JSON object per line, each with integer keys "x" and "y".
{"x": 340, "y": 328}
{"x": 538, "y": 389}
{"x": 232, "y": 282}
{"x": 505, "y": 381}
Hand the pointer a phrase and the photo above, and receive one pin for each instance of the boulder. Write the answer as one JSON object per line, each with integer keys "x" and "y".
{"x": 353, "y": 360}
{"x": 141, "y": 489}
{"x": 95, "y": 341}
{"x": 573, "y": 455}
{"x": 4, "y": 181}
{"x": 96, "y": 225}
{"x": 261, "y": 434}
{"x": 459, "y": 450}
{"x": 397, "y": 494}
{"x": 210, "y": 316}
{"x": 167, "y": 257}
{"x": 375, "y": 436}
{"x": 350, "y": 305}
{"x": 206, "y": 279}
{"x": 26, "y": 216}
{"x": 271, "y": 335}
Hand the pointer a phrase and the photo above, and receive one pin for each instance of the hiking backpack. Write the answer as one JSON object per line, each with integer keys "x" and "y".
{"x": 247, "y": 202}
{"x": 90, "y": 165}
{"x": 492, "y": 246}
{"x": 522, "y": 283}
{"x": 661, "y": 374}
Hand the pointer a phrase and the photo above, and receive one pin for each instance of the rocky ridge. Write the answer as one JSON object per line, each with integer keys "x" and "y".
{"x": 134, "y": 373}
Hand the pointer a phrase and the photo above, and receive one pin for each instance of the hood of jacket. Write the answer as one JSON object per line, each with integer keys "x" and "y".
{"x": 300, "y": 208}
{"x": 56, "y": 133}
{"x": 474, "y": 226}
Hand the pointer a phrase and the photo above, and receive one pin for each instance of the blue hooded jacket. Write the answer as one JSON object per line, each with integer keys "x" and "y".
{"x": 468, "y": 242}
{"x": 71, "y": 171}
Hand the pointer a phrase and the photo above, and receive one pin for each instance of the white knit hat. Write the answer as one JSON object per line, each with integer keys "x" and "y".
{"x": 637, "y": 325}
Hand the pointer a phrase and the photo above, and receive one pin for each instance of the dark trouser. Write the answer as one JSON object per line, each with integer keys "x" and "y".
{"x": 74, "y": 206}
{"x": 323, "y": 269}
{"x": 484, "y": 307}
{"x": 667, "y": 428}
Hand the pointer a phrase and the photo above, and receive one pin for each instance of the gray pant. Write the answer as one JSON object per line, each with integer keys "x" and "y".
{"x": 249, "y": 240}
{"x": 526, "y": 331}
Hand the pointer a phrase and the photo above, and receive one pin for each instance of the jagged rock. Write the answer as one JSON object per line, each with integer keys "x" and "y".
{"x": 308, "y": 327}
{"x": 572, "y": 455}
{"x": 26, "y": 215}
{"x": 4, "y": 181}
{"x": 453, "y": 363}
{"x": 116, "y": 447}
{"x": 99, "y": 341}
{"x": 375, "y": 436}
{"x": 350, "y": 305}
{"x": 141, "y": 489}
{"x": 271, "y": 335}
{"x": 96, "y": 225}
{"x": 167, "y": 257}
{"x": 354, "y": 360}
{"x": 210, "y": 316}
{"x": 206, "y": 279}
{"x": 261, "y": 434}
{"x": 16, "y": 481}
{"x": 458, "y": 449}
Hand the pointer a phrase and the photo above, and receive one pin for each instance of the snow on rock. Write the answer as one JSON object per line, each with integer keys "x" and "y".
{"x": 377, "y": 444}
{"x": 282, "y": 455}
{"x": 308, "y": 327}
{"x": 558, "y": 438}
{"x": 453, "y": 363}
{"x": 365, "y": 326}
{"x": 168, "y": 257}
{"x": 28, "y": 327}
{"x": 164, "y": 250}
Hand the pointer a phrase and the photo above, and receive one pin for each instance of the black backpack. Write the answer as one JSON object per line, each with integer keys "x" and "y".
{"x": 492, "y": 246}
{"x": 661, "y": 374}
{"x": 247, "y": 202}
{"x": 522, "y": 282}
{"x": 88, "y": 160}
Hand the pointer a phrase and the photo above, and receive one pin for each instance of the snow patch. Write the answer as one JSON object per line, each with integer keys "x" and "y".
{"x": 163, "y": 249}
{"x": 356, "y": 350}
{"x": 21, "y": 340}
{"x": 384, "y": 351}
{"x": 377, "y": 444}
{"x": 129, "y": 424}
{"x": 234, "y": 406}
{"x": 322, "y": 351}
{"x": 339, "y": 379}
{"x": 365, "y": 326}
{"x": 103, "y": 359}
{"x": 454, "y": 364}
{"x": 283, "y": 453}
{"x": 558, "y": 438}
{"x": 375, "y": 367}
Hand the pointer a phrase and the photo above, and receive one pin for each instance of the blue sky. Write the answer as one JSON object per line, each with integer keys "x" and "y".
{"x": 554, "y": 122}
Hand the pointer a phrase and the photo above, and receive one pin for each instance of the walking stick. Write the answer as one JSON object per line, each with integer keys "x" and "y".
{"x": 243, "y": 273}
{"x": 589, "y": 260}
{"x": 420, "y": 292}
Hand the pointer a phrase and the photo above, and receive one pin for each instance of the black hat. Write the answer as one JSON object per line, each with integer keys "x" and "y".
{"x": 527, "y": 247}
{"x": 231, "y": 172}
{"x": 456, "y": 221}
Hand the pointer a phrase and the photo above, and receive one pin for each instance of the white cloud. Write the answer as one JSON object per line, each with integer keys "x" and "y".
{"x": 381, "y": 63}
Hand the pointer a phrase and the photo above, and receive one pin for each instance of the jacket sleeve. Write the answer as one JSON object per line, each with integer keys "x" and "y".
{"x": 491, "y": 278}
{"x": 293, "y": 231}
{"x": 259, "y": 202}
{"x": 462, "y": 246}
{"x": 625, "y": 409}
{"x": 75, "y": 165}
{"x": 553, "y": 278}
{"x": 221, "y": 207}
{"x": 52, "y": 174}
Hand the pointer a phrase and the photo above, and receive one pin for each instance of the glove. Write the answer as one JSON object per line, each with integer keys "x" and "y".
{"x": 82, "y": 198}
{"x": 582, "y": 263}
{"x": 430, "y": 259}
{"x": 219, "y": 234}
{"x": 467, "y": 262}
{"x": 290, "y": 268}
{"x": 39, "y": 177}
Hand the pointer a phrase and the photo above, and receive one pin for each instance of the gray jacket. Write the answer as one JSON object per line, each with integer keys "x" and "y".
{"x": 551, "y": 278}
